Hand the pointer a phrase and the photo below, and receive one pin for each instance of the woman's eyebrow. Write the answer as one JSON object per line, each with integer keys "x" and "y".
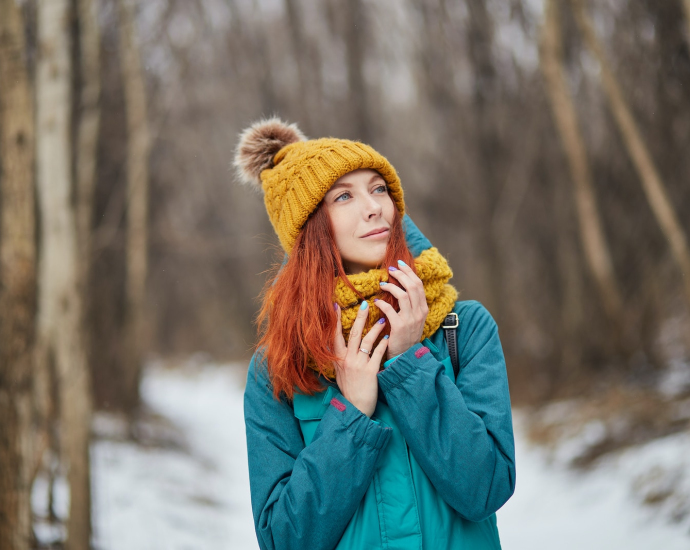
{"x": 341, "y": 184}
{"x": 349, "y": 185}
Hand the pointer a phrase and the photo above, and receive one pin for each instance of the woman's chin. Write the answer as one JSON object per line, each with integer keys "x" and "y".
{"x": 371, "y": 258}
{"x": 362, "y": 265}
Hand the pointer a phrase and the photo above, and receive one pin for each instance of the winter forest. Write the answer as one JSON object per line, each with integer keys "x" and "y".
{"x": 543, "y": 149}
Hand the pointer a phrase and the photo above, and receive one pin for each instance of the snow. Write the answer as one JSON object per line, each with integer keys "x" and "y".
{"x": 184, "y": 483}
{"x": 47, "y": 530}
{"x": 148, "y": 498}
{"x": 599, "y": 508}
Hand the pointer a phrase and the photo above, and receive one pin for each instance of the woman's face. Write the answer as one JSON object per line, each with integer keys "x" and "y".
{"x": 361, "y": 214}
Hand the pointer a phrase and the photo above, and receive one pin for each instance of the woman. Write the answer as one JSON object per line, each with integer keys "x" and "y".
{"x": 359, "y": 434}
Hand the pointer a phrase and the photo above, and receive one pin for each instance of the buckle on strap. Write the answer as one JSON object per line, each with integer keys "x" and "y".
{"x": 457, "y": 321}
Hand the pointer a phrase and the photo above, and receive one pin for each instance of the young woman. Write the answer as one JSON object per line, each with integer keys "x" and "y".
{"x": 359, "y": 434}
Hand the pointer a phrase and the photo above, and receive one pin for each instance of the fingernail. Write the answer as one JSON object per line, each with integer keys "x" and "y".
{"x": 364, "y": 305}
{"x": 383, "y": 284}
{"x": 335, "y": 306}
{"x": 391, "y": 268}
{"x": 402, "y": 263}
{"x": 386, "y": 337}
{"x": 381, "y": 320}
{"x": 376, "y": 299}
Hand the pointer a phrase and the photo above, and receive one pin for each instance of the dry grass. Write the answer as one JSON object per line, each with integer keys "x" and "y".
{"x": 608, "y": 421}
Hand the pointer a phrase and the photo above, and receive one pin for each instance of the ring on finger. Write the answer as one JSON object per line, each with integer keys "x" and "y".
{"x": 364, "y": 350}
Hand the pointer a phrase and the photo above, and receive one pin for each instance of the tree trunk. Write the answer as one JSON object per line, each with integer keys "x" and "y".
{"x": 302, "y": 59}
{"x": 487, "y": 146}
{"x": 60, "y": 308}
{"x": 18, "y": 275}
{"x": 451, "y": 157}
{"x": 87, "y": 129}
{"x": 652, "y": 183}
{"x": 138, "y": 145}
{"x": 594, "y": 243}
{"x": 354, "y": 18}
{"x": 686, "y": 8}
{"x": 572, "y": 293}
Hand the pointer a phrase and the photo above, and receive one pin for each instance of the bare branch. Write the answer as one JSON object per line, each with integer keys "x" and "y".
{"x": 652, "y": 183}
{"x": 591, "y": 231}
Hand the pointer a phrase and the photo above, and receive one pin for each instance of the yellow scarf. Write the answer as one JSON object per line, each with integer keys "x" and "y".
{"x": 432, "y": 269}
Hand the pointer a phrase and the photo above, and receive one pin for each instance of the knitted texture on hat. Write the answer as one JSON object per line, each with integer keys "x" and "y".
{"x": 434, "y": 271}
{"x": 302, "y": 172}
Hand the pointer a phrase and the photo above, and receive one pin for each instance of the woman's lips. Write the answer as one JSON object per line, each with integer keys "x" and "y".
{"x": 377, "y": 234}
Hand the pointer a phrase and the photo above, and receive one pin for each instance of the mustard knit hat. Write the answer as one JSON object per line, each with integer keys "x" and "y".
{"x": 295, "y": 173}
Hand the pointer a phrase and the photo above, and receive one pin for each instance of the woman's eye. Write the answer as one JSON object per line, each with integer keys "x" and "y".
{"x": 381, "y": 189}
{"x": 345, "y": 195}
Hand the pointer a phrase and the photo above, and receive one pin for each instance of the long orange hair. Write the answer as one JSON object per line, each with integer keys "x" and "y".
{"x": 297, "y": 320}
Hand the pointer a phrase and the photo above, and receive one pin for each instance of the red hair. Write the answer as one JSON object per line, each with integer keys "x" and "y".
{"x": 297, "y": 320}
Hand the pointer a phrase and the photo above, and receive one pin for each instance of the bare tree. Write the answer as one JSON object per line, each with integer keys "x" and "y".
{"x": 138, "y": 147}
{"x": 18, "y": 275}
{"x": 591, "y": 232}
{"x": 300, "y": 48}
{"x": 487, "y": 145}
{"x": 686, "y": 7}
{"x": 87, "y": 129}
{"x": 355, "y": 36}
{"x": 652, "y": 184}
{"x": 60, "y": 310}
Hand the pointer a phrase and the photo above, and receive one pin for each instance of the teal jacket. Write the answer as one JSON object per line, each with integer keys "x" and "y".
{"x": 428, "y": 471}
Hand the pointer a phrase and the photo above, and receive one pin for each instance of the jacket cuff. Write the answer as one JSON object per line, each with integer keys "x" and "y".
{"x": 364, "y": 430}
{"x": 391, "y": 361}
{"x": 404, "y": 365}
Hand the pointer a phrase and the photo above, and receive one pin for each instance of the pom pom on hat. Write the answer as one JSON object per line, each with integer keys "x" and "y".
{"x": 259, "y": 144}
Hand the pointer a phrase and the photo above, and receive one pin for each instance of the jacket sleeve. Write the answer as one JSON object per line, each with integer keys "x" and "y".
{"x": 304, "y": 496}
{"x": 461, "y": 434}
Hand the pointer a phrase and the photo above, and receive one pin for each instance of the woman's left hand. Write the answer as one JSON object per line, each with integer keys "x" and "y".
{"x": 407, "y": 325}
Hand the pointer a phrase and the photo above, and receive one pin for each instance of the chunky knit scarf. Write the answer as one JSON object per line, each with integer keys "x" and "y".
{"x": 432, "y": 269}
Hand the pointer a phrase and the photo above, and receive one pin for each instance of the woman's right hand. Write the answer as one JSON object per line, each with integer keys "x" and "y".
{"x": 355, "y": 372}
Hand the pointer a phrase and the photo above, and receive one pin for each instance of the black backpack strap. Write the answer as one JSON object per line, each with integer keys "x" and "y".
{"x": 450, "y": 323}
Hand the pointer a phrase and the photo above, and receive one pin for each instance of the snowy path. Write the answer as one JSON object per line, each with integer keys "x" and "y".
{"x": 150, "y": 498}
{"x": 162, "y": 499}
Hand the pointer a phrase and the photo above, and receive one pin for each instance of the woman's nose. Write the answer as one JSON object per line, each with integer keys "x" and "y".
{"x": 373, "y": 208}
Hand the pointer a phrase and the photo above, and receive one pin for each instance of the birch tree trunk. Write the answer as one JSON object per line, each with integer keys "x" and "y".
{"x": 60, "y": 308}
{"x": 652, "y": 183}
{"x": 138, "y": 146}
{"x": 592, "y": 236}
{"x": 18, "y": 276}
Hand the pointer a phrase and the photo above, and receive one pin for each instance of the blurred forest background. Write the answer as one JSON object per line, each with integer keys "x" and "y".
{"x": 542, "y": 145}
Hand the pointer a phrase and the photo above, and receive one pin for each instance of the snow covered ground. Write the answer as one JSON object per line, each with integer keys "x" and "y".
{"x": 601, "y": 508}
{"x": 191, "y": 493}
{"x": 184, "y": 484}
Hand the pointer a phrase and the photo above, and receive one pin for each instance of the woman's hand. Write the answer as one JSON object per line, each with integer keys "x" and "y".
{"x": 355, "y": 372}
{"x": 407, "y": 325}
